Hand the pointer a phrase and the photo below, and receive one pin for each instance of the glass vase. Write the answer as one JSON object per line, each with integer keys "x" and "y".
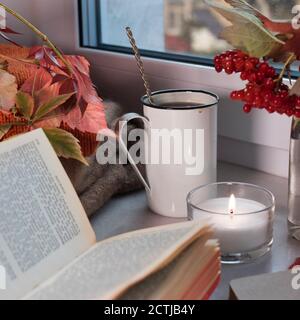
{"x": 294, "y": 181}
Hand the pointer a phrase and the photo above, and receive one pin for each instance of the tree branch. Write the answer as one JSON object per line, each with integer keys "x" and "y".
{"x": 40, "y": 35}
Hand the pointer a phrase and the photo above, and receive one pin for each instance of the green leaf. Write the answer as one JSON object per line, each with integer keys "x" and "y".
{"x": 51, "y": 105}
{"x": 65, "y": 144}
{"x": 25, "y": 104}
{"x": 247, "y": 32}
{"x": 4, "y": 128}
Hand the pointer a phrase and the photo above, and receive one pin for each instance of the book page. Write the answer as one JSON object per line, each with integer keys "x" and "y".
{"x": 181, "y": 268}
{"x": 112, "y": 266}
{"x": 43, "y": 226}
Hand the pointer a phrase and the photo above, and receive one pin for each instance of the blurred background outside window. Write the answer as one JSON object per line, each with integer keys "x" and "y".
{"x": 184, "y": 27}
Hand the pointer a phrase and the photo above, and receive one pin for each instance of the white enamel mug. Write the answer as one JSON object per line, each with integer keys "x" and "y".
{"x": 180, "y": 147}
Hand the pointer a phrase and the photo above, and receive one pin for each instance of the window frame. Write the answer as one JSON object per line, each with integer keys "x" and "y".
{"x": 159, "y": 55}
{"x": 170, "y": 56}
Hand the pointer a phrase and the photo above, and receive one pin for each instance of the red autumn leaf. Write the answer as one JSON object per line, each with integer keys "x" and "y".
{"x": 8, "y": 30}
{"x": 80, "y": 63}
{"x": 45, "y": 56}
{"x": 5, "y": 37}
{"x": 36, "y": 52}
{"x": 85, "y": 87}
{"x": 295, "y": 264}
{"x": 92, "y": 121}
{"x": 83, "y": 111}
{"x": 50, "y": 57}
{"x": 60, "y": 78}
{"x": 39, "y": 80}
{"x": 46, "y": 93}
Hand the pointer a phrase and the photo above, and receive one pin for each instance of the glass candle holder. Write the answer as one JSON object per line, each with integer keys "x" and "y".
{"x": 242, "y": 216}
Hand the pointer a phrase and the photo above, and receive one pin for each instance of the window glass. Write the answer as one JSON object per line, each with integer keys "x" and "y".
{"x": 185, "y": 27}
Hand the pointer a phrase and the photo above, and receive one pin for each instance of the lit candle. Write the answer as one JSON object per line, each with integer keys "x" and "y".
{"x": 234, "y": 227}
{"x": 241, "y": 214}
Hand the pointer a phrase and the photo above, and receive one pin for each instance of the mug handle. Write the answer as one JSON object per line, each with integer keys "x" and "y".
{"x": 119, "y": 128}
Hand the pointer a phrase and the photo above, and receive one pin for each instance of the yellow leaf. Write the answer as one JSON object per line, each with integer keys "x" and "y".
{"x": 247, "y": 32}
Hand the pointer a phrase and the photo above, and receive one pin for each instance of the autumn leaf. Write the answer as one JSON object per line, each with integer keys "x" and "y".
{"x": 40, "y": 79}
{"x": 247, "y": 32}
{"x": 92, "y": 121}
{"x": 3, "y": 33}
{"x": 282, "y": 30}
{"x": 25, "y": 104}
{"x": 246, "y": 7}
{"x": 48, "y": 92}
{"x": 65, "y": 144}
{"x": 8, "y": 90}
{"x": 9, "y": 30}
{"x": 51, "y": 105}
{"x": 85, "y": 90}
{"x": 45, "y": 56}
{"x": 275, "y": 26}
{"x": 4, "y": 128}
{"x": 296, "y": 88}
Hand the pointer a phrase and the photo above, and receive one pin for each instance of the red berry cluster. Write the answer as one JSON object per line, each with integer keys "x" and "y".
{"x": 264, "y": 90}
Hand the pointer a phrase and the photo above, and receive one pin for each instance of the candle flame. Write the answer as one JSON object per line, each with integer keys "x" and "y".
{"x": 232, "y": 205}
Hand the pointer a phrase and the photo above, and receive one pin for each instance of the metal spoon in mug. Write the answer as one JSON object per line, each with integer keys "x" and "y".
{"x": 139, "y": 63}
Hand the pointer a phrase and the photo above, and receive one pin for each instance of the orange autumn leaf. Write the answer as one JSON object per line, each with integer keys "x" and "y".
{"x": 92, "y": 121}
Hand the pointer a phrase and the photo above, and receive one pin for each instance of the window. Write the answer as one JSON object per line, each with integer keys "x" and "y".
{"x": 176, "y": 29}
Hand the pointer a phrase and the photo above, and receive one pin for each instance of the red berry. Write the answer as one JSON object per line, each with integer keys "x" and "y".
{"x": 259, "y": 77}
{"x": 276, "y": 102}
{"x": 217, "y": 60}
{"x": 297, "y": 114}
{"x": 240, "y": 54}
{"x": 244, "y": 75}
{"x": 234, "y": 95}
{"x": 271, "y": 72}
{"x": 247, "y": 108}
{"x": 298, "y": 102}
{"x": 240, "y": 95}
{"x": 254, "y": 61}
{"x": 229, "y": 70}
{"x": 249, "y": 65}
{"x": 283, "y": 94}
{"x": 289, "y": 112}
{"x": 269, "y": 83}
{"x": 239, "y": 65}
{"x": 253, "y": 77}
{"x": 219, "y": 68}
{"x": 264, "y": 67}
{"x": 258, "y": 101}
{"x": 268, "y": 96}
{"x": 249, "y": 96}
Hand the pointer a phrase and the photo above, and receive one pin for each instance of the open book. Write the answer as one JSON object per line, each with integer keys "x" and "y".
{"x": 48, "y": 248}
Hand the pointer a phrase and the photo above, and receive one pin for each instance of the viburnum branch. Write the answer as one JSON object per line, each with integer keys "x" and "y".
{"x": 287, "y": 64}
{"x": 39, "y": 34}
